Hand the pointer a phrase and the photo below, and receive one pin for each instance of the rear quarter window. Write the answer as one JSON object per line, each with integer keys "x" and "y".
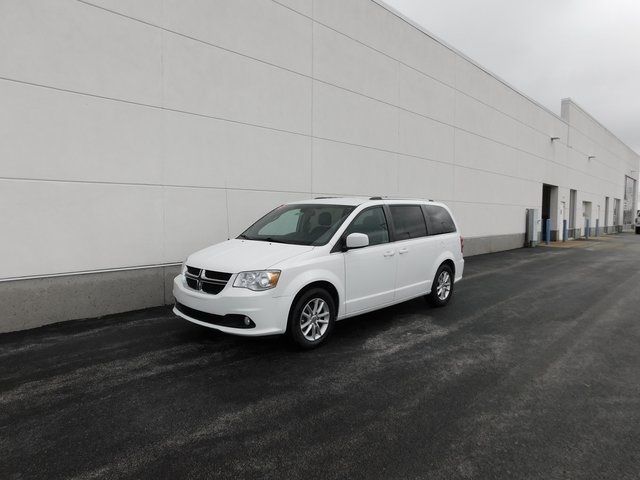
{"x": 439, "y": 220}
{"x": 408, "y": 221}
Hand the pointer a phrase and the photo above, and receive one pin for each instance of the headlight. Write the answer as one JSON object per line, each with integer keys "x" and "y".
{"x": 257, "y": 280}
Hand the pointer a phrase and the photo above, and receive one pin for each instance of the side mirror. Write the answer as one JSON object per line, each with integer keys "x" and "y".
{"x": 357, "y": 240}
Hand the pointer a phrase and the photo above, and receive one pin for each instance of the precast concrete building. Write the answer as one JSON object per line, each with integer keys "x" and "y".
{"x": 134, "y": 132}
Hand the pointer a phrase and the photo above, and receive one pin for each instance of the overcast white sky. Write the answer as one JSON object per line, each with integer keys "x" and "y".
{"x": 588, "y": 50}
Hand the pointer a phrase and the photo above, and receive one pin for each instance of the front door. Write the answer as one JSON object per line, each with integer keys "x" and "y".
{"x": 370, "y": 272}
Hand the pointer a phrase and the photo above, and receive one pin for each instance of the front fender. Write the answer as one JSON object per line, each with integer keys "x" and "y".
{"x": 306, "y": 277}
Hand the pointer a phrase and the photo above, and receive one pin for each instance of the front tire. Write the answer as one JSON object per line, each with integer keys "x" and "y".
{"x": 442, "y": 287}
{"x": 311, "y": 319}
{"x": 637, "y": 230}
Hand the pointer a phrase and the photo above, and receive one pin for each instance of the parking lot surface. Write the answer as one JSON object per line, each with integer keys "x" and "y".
{"x": 532, "y": 371}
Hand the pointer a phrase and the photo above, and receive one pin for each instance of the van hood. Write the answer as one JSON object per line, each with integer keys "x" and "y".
{"x": 238, "y": 255}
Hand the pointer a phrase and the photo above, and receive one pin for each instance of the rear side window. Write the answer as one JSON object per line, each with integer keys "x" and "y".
{"x": 439, "y": 220}
{"x": 408, "y": 221}
{"x": 372, "y": 223}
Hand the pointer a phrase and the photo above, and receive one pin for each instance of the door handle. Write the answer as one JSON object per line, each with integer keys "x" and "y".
{"x": 403, "y": 250}
{"x": 390, "y": 253}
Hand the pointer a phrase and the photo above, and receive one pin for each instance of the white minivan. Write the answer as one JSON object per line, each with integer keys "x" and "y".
{"x": 307, "y": 264}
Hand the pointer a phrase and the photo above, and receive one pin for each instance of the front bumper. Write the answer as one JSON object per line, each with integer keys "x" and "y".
{"x": 267, "y": 313}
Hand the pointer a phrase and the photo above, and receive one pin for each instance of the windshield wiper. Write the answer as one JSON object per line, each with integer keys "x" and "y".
{"x": 260, "y": 239}
{"x": 272, "y": 240}
{"x": 266, "y": 239}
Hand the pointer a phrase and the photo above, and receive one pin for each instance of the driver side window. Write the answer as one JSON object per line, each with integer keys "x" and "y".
{"x": 373, "y": 223}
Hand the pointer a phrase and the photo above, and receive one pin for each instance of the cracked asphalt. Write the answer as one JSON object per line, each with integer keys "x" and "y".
{"x": 532, "y": 371}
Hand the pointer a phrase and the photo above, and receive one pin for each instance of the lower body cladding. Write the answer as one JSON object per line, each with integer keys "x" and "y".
{"x": 234, "y": 310}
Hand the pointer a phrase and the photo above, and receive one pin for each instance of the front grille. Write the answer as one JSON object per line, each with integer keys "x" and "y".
{"x": 193, "y": 271}
{"x": 208, "y": 281}
{"x": 210, "y": 274}
{"x": 212, "y": 288}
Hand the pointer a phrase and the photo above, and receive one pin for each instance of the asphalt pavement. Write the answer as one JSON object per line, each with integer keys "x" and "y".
{"x": 532, "y": 371}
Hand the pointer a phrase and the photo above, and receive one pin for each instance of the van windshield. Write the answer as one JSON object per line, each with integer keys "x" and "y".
{"x": 310, "y": 224}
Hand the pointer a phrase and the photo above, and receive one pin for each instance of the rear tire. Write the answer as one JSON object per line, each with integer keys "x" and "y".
{"x": 311, "y": 319}
{"x": 442, "y": 287}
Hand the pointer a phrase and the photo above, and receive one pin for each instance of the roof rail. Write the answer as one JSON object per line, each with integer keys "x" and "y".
{"x": 391, "y": 197}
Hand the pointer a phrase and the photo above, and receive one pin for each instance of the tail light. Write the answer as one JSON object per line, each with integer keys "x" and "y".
{"x": 461, "y": 244}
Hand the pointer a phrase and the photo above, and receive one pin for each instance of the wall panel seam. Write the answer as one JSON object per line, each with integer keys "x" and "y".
{"x": 454, "y": 87}
{"x": 239, "y": 122}
{"x": 337, "y": 86}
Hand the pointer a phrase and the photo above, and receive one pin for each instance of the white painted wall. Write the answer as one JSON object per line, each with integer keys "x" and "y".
{"x": 135, "y": 132}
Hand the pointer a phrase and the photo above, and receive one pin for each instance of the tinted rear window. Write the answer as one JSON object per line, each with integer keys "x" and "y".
{"x": 439, "y": 220}
{"x": 408, "y": 221}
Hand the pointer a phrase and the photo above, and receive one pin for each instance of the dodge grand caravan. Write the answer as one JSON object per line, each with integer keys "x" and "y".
{"x": 307, "y": 264}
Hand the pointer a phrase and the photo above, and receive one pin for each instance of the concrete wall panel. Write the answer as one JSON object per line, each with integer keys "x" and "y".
{"x": 47, "y": 134}
{"x": 508, "y": 101}
{"x": 531, "y": 167}
{"x": 335, "y": 165}
{"x": 422, "y": 94}
{"x": 198, "y": 151}
{"x": 364, "y": 21}
{"x": 205, "y": 80}
{"x": 150, "y": 11}
{"x": 273, "y": 32}
{"x": 481, "y": 153}
{"x": 74, "y": 46}
{"x": 425, "y": 138}
{"x": 422, "y": 178}
{"x": 476, "y": 186}
{"x": 424, "y": 54}
{"x": 194, "y": 218}
{"x": 57, "y": 227}
{"x": 475, "y": 82}
{"x": 534, "y": 142}
{"x": 304, "y": 7}
{"x": 341, "y": 115}
{"x": 476, "y": 117}
{"x": 490, "y": 223}
{"x": 340, "y": 61}
{"x": 270, "y": 32}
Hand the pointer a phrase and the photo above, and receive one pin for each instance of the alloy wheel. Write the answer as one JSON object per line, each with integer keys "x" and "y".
{"x": 443, "y": 285}
{"x": 314, "y": 319}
